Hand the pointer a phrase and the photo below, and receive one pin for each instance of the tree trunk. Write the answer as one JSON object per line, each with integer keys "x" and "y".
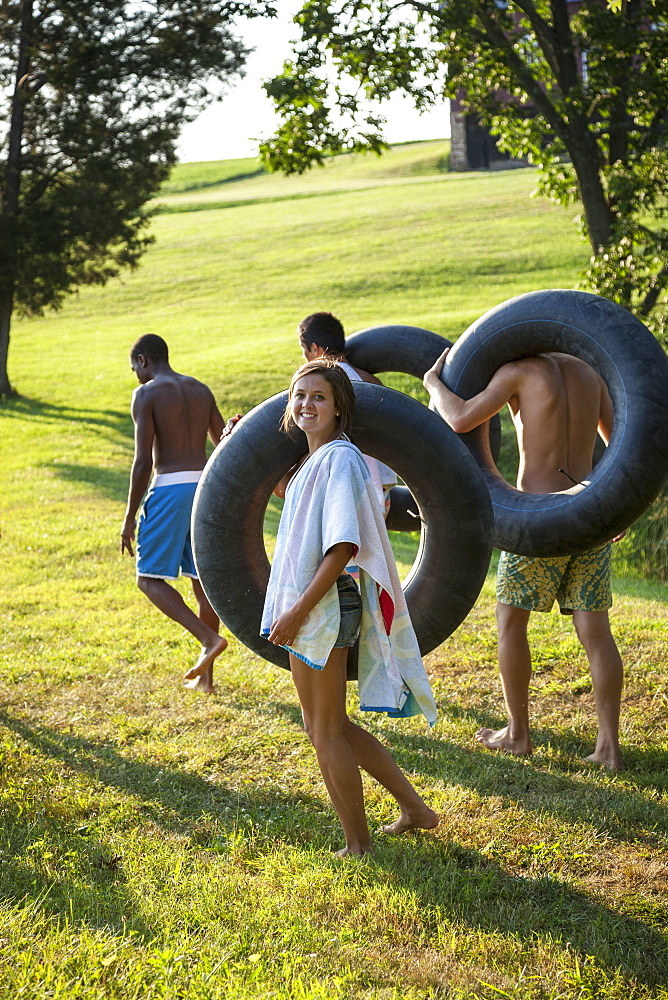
{"x": 10, "y": 196}
{"x": 6, "y": 307}
{"x": 585, "y": 157}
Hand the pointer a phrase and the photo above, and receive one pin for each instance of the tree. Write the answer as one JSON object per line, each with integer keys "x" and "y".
{"x": 579, "y": 89}
{"x": 95, "y": 94}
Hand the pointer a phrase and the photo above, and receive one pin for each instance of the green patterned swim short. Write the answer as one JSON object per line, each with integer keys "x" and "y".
{"x": 578, "y": 583}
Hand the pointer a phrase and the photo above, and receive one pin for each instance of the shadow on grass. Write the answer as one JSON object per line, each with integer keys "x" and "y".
{"x": 245, "y": 175}
{"x": 475, "y": 891}
{"x": 37, "y": 409}
{"x": 622, "y": 813}
{"x": 110, "y": 482}
{"x": 89, "y": 886}
{"x": 644, "y": 768}
{"x": 451, "y": 882}
{"x": 471, "y": 888}
{"x": 178, "y": 207}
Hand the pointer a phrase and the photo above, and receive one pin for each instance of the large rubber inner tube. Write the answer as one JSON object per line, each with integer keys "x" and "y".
{"x": 408, "y": 349}
{"x": 456, "y": 538}
{"x": 411, "y": 350}
{"x": 635, "y": 369}
{"x": 403, "y": 514}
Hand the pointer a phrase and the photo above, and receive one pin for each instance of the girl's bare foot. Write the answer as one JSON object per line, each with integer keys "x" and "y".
{"x": 501, "y": 739}
{"x": 349, "y": 852}
{"x": 425, "y": 819}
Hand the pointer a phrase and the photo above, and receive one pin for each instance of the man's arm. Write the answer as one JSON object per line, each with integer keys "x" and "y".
{"x": 465, "y": 414}
{"x": 142, "y": 465}
{"x": 606, "y": 415}
{"x": 216, "y": 422}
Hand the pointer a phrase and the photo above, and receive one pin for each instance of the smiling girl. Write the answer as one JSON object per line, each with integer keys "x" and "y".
{"x": 315, "y": 610}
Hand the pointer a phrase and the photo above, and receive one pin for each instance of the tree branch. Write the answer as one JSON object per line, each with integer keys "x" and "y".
{"x": 528, "y": 82}
{"x": 658, "y": 285}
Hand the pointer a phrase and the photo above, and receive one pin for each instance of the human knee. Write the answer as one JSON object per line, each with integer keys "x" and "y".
{"x": 145, "y": 584}
{"x": 321, "y": 731}
{"x": 592, "y": 628}
{"x": 511, "y": 620}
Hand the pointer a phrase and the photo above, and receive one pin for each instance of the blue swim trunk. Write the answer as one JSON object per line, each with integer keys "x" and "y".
{"x": 164, "y": 547}
{"x": 577, "y": 583}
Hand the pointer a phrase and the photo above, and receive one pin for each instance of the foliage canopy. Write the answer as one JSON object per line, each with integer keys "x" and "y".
{"x": 92, "y": 99}
{"x": 581, "y": 90}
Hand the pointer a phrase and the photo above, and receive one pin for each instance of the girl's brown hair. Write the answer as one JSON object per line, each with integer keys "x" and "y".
{"x": 342, "y": 390}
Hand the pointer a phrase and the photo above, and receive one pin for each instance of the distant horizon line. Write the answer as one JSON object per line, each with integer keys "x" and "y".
{"x": 251, "y": 156}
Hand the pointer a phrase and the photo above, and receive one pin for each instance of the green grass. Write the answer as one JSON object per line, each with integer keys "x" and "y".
{"x": 154, "y": 843}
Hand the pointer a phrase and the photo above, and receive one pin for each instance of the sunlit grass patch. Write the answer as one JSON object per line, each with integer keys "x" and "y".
{"x": 159, "y": 844}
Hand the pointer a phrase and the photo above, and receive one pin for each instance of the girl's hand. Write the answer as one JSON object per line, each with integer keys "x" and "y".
{"x": 285, "y": 628}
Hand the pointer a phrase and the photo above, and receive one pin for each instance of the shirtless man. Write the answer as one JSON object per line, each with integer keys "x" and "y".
{"x": 558, "y": 404}
{"x": 172, "y": 414}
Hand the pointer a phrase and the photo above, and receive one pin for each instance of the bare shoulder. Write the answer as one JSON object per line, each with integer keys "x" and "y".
{"x": 521, "y": 381}
{"x": 518, "y": 367}
{"x": 195, "y": 385}
{"x": 577, "y": 369}
{"x": 513, "y": 373}
{"x": 368, "y": 377}
{"x": 541, "y": 367}
{"x": 141, "y": 396}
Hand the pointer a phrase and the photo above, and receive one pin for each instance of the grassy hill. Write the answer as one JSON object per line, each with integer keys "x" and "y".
{"x": 157, "y": 844}
{"x": 237, "y": 263}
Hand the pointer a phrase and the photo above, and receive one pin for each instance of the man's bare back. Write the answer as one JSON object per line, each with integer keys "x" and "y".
{"x": 181, "y": 410}
{"x": 558, "y": 406}
{"x": 558, "y": 403}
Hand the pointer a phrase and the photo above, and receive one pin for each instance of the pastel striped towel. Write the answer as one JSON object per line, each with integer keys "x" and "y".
{"x": 332, "y": 499}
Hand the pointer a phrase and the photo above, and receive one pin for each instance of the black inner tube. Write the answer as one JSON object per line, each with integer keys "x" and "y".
{"x": 456, "y": 537}
{"x": 411, "y": 350}
{"x": 633, "y": 468}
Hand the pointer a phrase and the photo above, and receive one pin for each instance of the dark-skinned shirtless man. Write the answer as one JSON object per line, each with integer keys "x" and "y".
{"x": 172, "y": 414}
{"x": 558, "y": 405}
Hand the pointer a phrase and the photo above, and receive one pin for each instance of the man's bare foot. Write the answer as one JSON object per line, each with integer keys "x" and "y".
{"x": 349, "y": 852}
{"x": 206, "y": 659}
{"x": 500, "y": 739}
{"x": 424, "y": 819}
{"x": 610, "y": 761}
{"x": 202, "y": 683}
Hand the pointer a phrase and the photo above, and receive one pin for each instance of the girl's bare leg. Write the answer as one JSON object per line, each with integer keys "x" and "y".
{"x": 325, "y": 716}
{"x": 373, "y": 757}
{"x": 322, "y": 697}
